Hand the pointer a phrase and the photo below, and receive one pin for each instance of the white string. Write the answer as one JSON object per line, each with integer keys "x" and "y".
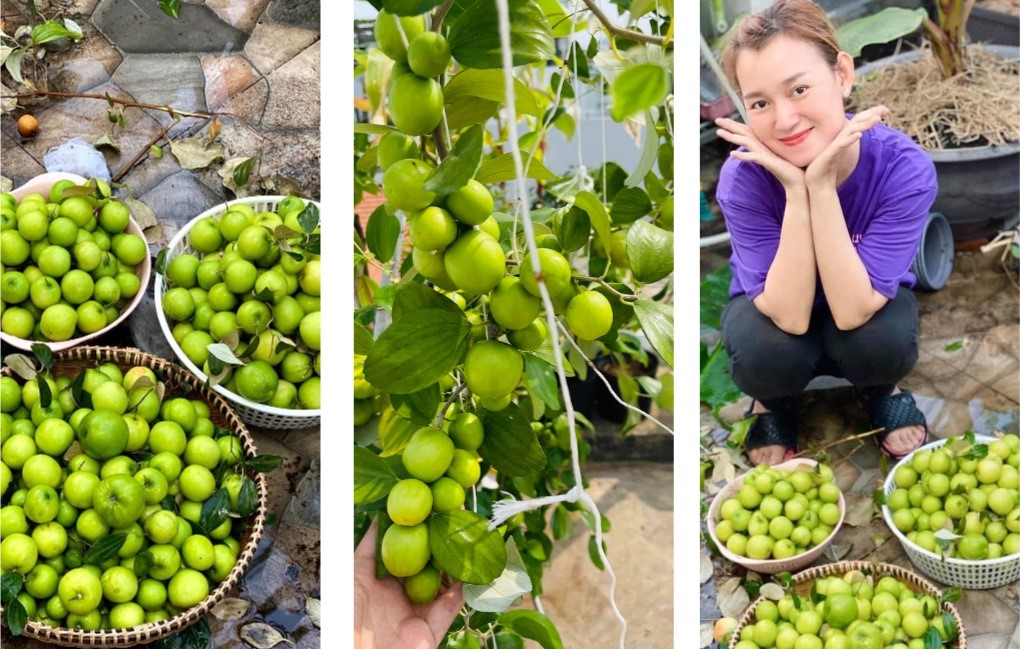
{"x": 529, "y": 231}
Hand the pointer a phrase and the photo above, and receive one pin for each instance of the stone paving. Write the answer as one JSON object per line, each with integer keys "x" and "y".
{"x": 256, "y": 64}
{"x": 966, "y": 378}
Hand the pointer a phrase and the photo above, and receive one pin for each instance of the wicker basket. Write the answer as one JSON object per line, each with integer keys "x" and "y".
{"x": 989, "y": 573}
{"x": 178, "y": 382}
{"x": 42, "y": 185}
{"x": 255, "y": 414}
{"x": 771, "y": 566}
{"x": 803, "y": 581}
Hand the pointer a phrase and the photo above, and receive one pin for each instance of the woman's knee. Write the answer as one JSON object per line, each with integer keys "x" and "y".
{"x": 883, "y": 350}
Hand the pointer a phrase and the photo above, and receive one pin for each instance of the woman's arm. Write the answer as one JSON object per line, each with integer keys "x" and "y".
{"x": 790, "y": 284}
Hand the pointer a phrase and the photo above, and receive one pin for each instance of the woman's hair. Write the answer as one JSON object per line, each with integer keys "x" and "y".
{"x": 800, "y": 19}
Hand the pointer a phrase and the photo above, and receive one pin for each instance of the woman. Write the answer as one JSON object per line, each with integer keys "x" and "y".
{"x": 825, "y": 212}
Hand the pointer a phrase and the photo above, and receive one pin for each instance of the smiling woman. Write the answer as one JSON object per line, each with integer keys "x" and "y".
{"x": 825, "y": 211}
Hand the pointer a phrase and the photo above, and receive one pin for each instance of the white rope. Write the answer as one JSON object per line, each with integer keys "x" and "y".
{"x": 529, "y": 231}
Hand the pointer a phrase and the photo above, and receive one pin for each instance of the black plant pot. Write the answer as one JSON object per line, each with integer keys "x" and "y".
{"x": 607, "y": 406}
{"x": 582, "y": 393}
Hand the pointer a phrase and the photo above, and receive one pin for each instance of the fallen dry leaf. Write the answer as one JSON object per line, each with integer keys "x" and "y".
{"x": 733, "y": 603}
{"x": 706, "y": 568}
{"x": 231, "y": 608}
{"x": 859, "y": 509}
{"x": 312, "y": 608}
{"x": 192, "y": 153}
{"x": 837, "y": 551}
{"x": 262, "y": 636}
{"x": 772, "y": 591}
{"x": 141, "y": 213}
{"x": 706, "y": 634}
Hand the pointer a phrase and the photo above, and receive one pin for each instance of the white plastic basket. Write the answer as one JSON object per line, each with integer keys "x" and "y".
{"x": 989, "y": 573}
{"x": 256, "y": 414}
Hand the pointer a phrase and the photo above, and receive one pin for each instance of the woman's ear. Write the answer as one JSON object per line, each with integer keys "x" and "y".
{"x": 845, "y": 72}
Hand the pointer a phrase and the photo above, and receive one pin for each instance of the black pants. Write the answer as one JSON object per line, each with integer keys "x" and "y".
{"x": 771, "y": 365}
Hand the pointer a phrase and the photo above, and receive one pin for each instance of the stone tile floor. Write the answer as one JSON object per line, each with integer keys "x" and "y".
{"x": 256, "y": 64}
{"x": 966, "y": 379}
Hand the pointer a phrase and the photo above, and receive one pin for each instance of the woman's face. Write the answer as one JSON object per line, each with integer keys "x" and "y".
{"x": 794, "y": 99}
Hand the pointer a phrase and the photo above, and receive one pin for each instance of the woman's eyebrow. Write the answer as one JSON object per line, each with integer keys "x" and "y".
{"x": 757, "y": 94}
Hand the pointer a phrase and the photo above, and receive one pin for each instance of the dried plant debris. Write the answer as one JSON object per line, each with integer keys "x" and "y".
{"x": 263, "y": 636}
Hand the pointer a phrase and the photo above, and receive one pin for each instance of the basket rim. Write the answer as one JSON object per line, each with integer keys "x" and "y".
{"x": 255, "y": 523}
{"x": 164, "y": 325}
{"x": 143, "y": 271}
{"x": 843, "y": 567}
{"x": 762, "y": 565}
{"x": 909, "y": 545}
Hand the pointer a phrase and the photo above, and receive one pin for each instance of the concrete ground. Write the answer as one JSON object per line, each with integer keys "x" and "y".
{"x": 255, "y": 63}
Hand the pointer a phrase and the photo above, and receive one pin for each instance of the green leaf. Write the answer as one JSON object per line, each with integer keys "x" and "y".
{"x": 418, "y": 407}
{"x": 933, "y": 639}
{"x": 468, "y": 111}
{"x": 413, "y": 297}
{"x": 308, "y": 219}
{"x": 362, "y": 339}
{"x": 501, "y": 169}
{"x": 638, "y": 88}
{"x": 243, "y": 171}
{"x": 82, "y": 398}
{"x": 51, "y": 30}
{"x": 105, "y": 549}
{"x": 10, "y": 586}
{"x": 952, "y": 595}
{"x": 196, "y": 636}
{"x": 410, "y": 7}
{"x": 382, "y": 233}
{"x": 464, "y": 548}
{"x": 558, "y": 19}
{"x": 17, "y": 617}
{"x": 373, "y": 478}
{"x": 373, "y": 129}
{"x": 510, "y": 445}
{"x": 170, "y": 7}
{"x": 593, "y": 553}
{"x": 142, "y": 563}
{"x": 394, "y": 432}
{"x": 264, "y": 463}
{"x": 650, "y": 250}
{"x": 474, "y": 37}
{"x": 395, "y": 363}
{"x": 950, "y": 626}
{"x": 715, "y": 295}
{"x": 534, "y": 626}
{"x": 572, "y": 229}
{"x": 954, "y": 346}
{"x": 247, "y": 497}
{"x": 649, "y": 154}
{"x": 508, "y": 639}
{"x": 657, "y": 322}
{"x": 215, "y": 510}
{"x": 43, "y": 354}
{"x": 459, "y": 166}
{"x": 717, "y": 388}
{"x": 502, "y": 592}
{"x": 45, "y": 395}
{"x": 541, "y": 380}
{"x": 629, "y": 205}
{"x": 882, "y": 27}
{"x": 591, "y": 204}
{"x": 488, "y": 85}
{"x": 561, "y": 523}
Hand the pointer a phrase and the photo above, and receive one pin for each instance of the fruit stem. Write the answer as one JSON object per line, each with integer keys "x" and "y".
{"x": 601, "y": 282}
{"x": 123, "y": 102}
{"x": 440, "y": 14}
{"x": 852, "y": 438}
{"x": 622, "y": 32}
{"x": 138, "y": 156}
{"x": 449, "y": 402}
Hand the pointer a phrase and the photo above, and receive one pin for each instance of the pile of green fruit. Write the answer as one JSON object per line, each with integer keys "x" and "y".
{"x": 852, "y": 611}
{"x": 69, "y": 266}
{"x": 970, "y": 490}
{"x": 120, "y": 506}
{"x": 246, "y": 302}
{"x": 778, "y": 514}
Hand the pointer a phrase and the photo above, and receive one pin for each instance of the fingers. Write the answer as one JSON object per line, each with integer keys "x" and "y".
{"x": 442, "y": 611}
{"x": 364, "y": 554}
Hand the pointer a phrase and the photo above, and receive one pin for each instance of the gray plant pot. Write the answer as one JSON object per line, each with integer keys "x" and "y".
{"x": 979, "y": 187}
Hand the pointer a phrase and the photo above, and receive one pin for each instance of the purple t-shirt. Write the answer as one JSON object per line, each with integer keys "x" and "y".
{"x": 885, "y": 204}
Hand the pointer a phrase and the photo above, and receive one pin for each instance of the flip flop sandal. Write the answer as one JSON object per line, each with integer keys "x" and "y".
{"x": 892, "y": 412}
{"x": 772, "y": 428}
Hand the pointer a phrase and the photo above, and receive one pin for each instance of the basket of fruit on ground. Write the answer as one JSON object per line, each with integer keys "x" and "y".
{"x": 132, "y": 498}
{"x": 75, "y": 263}
{"x": 237, "y": 295}
{"x": 779, "y": 518}
{"x": 852, "y": 604}
{"x": 955, "y": 507}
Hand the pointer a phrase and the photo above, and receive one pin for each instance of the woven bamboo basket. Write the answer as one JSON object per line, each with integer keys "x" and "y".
{"x": 255, "y": 414}
{"x": 179, "y": 382}
{"x": 803, "y": 581}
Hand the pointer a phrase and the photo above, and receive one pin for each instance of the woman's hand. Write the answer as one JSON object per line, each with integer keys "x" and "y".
{"x": 826, "y": 166}
{"x": 383, "y": 616}
{"x": 734, "y": 132}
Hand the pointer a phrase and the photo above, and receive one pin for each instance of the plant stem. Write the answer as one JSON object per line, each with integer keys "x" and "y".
{"x": 601, "y": 282}
{"x": 138, "y": 156}
{"x": 838, "y": 442}
{"x": 123, "y": 102}
{"x": 449, "y": 402}
{"x": 622, "y": 32}
{"x": 437, "y": 18}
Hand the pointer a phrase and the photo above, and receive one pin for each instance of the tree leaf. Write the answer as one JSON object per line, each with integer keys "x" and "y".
{"x": 243, "y": 170}
{"x": 657, "y": 322}
{"x": 16, "y": 616}
{"x": 10, "y": 586}
{"x": 501, "y": 169}
{"x": 247, "y": 497}
{"x": 591, "y": 204}
{"x": 410, "y": 7}
{"x": 572, "y": 228}
{"x": 104, "y": 549}
{"x": 362, "y": 339}
{"x": 43, "y": 354}
{"x": 215, "y": 510}
{"x": 418, "y": 407}
{"x": 222, "y": 352}
{"x": 395, "y": 363}
{"x": 474, "y": 37}
{"x": 464, "y": 548}
{"x": 638, "y": 88}
{"x": 308, "y": 219}
{"x": 13, "y": 65}
{"x": 508, "y": 640}
{"x": 382, "y": 233}
{"x": 142, "y": 563}
{"x": 51, "y": 30}
{"x": 488, "y": 85}
{"x": 413, "y": 297}
{"x": 629, "y": 205}
{"x": 373, "y": 478}
{"x": 263, "y": 636}
{"x": 394, "y": 432}
{"x": 378, "y": 72}
{"x": 105, "y": 141}
{"x": 715, "y": 295}
{"x": 459, "y": 166}
{"x": 717, "y": 388}
{"x": 373, "y": 129}
{"x": 510, "y": 445}
{"x": 541, "y": 380}
{"x": 467, "y": 111}
{"x": 264, "y": 463}
{"x": 192, "y": 153}
{"x": 649, "y": 154}
{"x": 170, "y": 7}
{"x": 506, "y": 589}
{"x": 21, "y": 365}
{"x": 650, "y": 250}
{"x": 882, "y": 27}
{"x": 534, "y": 626}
